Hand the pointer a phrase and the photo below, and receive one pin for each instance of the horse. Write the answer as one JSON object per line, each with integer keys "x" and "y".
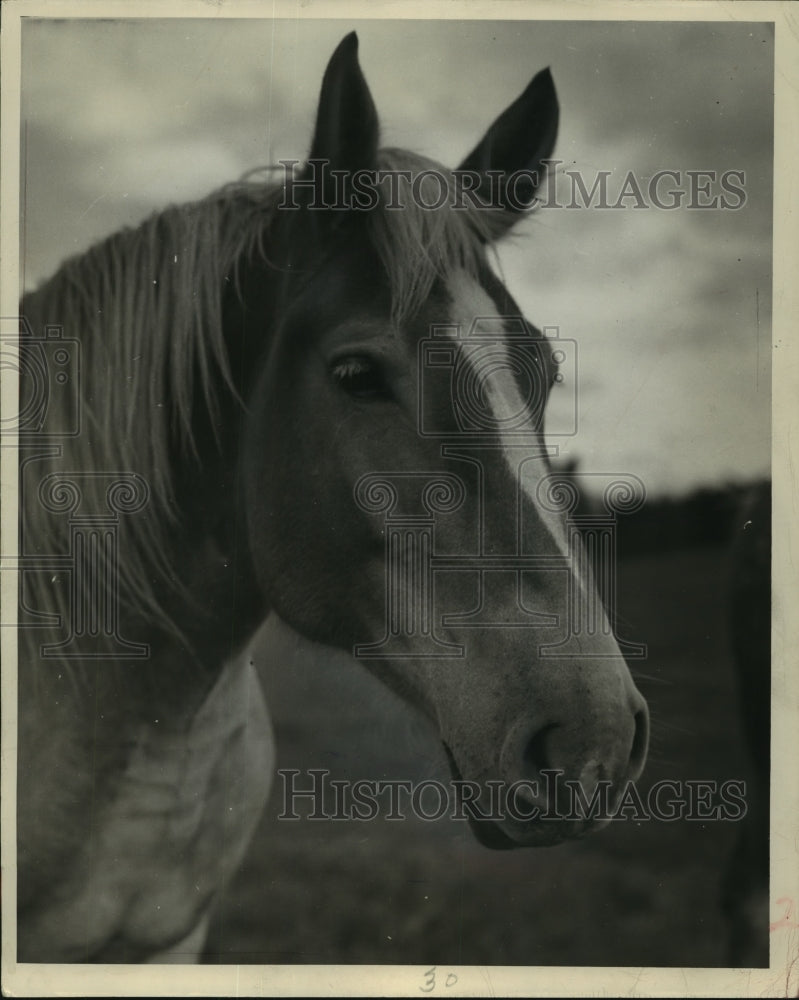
{"x": 248, "y": 381}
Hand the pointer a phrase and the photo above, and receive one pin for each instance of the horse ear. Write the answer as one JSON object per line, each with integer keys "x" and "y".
{"x": 347, "y": 128}
{"x": 517, "y": 144}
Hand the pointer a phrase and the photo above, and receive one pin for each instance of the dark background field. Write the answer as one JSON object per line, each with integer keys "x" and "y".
{"x": 413, "y": 892}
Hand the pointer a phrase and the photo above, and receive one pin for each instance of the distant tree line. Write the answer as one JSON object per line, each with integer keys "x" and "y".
{"x": 709, "y": 516}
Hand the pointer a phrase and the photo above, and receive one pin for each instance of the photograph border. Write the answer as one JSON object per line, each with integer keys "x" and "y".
{"x": 782, "y": 976}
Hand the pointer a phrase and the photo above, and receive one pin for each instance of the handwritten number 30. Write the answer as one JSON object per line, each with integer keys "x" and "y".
{"x": 430, "y": 980}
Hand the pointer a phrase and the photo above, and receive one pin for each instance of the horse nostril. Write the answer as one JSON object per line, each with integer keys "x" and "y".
{"x": 640, "y": 743}
{"x": 536, "y": 756}
{"x": 555, "y": 747}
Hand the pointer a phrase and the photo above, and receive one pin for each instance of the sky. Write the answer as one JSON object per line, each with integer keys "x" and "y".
{"x": 670, "y": 310}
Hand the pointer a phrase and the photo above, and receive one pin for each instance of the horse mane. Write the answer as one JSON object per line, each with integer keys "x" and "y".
{"x": 147, "y": 305}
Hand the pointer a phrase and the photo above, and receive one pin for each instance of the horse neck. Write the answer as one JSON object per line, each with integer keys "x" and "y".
{"x": 201, "y": 603}
{"x": 213, "y": 599}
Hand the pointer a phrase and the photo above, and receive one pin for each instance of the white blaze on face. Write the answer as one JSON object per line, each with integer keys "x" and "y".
{"x": 470, "y": 301}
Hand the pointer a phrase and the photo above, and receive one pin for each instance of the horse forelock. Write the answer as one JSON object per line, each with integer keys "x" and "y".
{"x": 419, "y": 245}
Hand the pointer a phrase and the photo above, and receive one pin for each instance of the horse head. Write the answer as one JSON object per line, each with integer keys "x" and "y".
{"x": 394, "y": 469}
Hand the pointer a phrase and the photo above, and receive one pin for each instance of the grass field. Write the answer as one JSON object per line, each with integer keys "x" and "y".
{"x": 638, "y": 893}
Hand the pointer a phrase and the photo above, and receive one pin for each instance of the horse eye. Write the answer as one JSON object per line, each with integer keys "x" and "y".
{"x": 360, "y": 377}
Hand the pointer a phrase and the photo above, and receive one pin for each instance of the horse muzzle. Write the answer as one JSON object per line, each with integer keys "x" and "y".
{"x": 558, "y": 780}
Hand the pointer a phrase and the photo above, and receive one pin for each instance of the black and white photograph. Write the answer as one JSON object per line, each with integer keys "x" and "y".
{"x": 397, "y": 525}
